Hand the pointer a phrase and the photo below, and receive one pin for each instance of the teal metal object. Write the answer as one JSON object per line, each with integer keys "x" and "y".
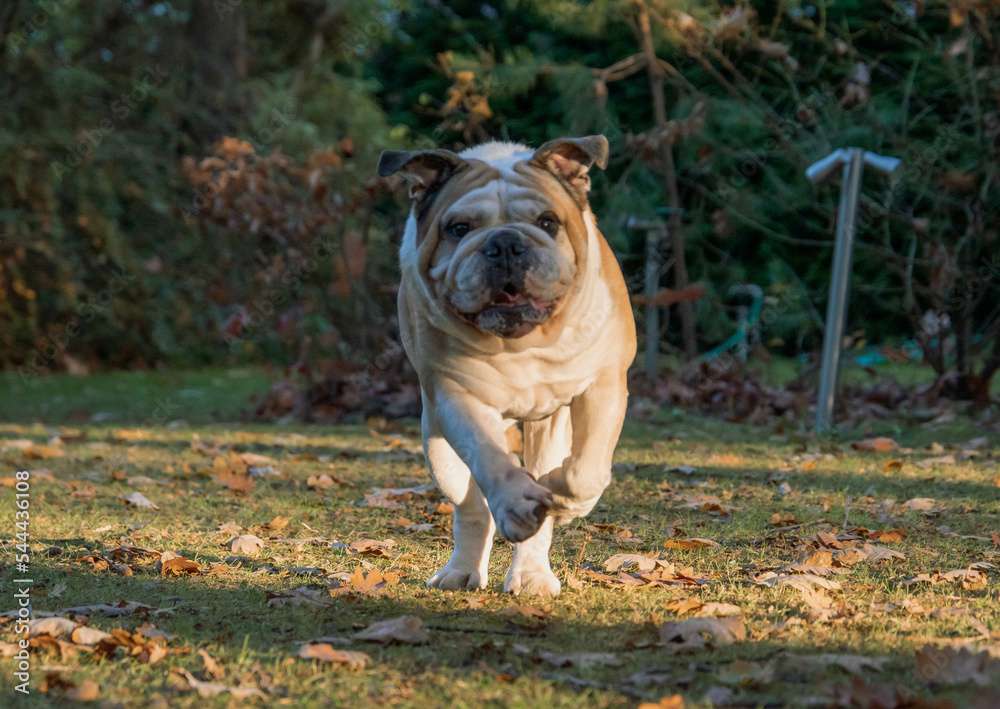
{"x": 744, "y": 328}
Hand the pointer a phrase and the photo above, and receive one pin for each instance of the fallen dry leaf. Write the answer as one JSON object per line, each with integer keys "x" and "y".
{"x": 874, "y": 553}
{"x": 878, "y": 695}
{"x": 55, "y": 626}
{"x": 800, "y": 581}
{"x": 942, "y": 460}
{"x": 526, "y": 617}
{"x": 137, "y": 499}
{"x": 407, "y": 629}
{"x": 179, "y": 566}
{"x": 706, "y": 503}
{"x": 253, "y": 460}
{"x": 327, "y": 653}
{"x": 875, "y": 445}
{"x": 249, "y": 544}
{"x": 747, "y": 674}
{"x": 392, "y": 497}
{"x": 38, "y": 452}
{"x": 236, "y": 482}
{"x": 855, "y": 664}
{"x": 680, "y": 606}
{"x": 67, "y": 650}
{"x": 968, "y": 579}
{"x": 946, "y": 665}
{"x": 624, "y": 561}
{"x": 151, "y": 631}
{"x": 698, "y": 634}
{"x": 784, "y": 519}
{"x": 54, "y": 681}
{"x": 419, "y": 528}
{"x": 712, "y": 609}
{"x": 17, "y": 444}
{"x": 371, "y": 584}
{"x": 111, "y": 611}
{"x": 888, "y": 536}
{"x": 693, "y": 543}
{"x": 88, "y": 691}
{"x": 812, "y": 561}
{"x": 443, "y": 508}
{"x": 211, "y": 689}
{"x": 373, "y": 547}
{"x": 277, "y": 523}
{"x": 674, "y": 701}
{"x": 299, "y": 596}
{"x": 583, "y": 660}
{"x": 919, "y": 503}
{"x": 130, "y": 434}
{"x": 321, "y": 482}
{"x": 82, "y": 635}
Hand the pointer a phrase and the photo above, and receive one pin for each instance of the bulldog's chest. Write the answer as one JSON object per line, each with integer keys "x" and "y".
{"x": 538, "y": 402}
{"x": 526, "y": 388}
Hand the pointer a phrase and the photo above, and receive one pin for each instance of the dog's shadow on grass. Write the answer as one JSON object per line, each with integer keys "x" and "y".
{"x": 233, "y": 620}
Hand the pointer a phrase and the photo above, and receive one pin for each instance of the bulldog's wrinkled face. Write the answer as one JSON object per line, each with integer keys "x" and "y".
{"x": 503, "y": 257}
{"x": 501, "y": 237}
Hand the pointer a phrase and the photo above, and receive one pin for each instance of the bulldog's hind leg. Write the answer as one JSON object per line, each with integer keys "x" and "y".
{"x": 467, "y": 569}
{"x": 546, "y": 445}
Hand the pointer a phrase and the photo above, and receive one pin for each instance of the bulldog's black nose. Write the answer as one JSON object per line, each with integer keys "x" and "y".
{"x": 504, "y": 247}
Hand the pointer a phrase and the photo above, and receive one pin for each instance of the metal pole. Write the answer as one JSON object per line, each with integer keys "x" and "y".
{"x": 839, "y": 282}
{"x": 652, "y": 285}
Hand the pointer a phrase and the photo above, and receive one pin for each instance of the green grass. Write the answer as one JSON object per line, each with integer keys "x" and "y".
{"x": 198, "y": 397}
{"x": 475, "y": 656}
{"x": 129, "y": 398}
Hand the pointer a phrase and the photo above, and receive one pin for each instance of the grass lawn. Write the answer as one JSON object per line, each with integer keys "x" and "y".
{"x": 764, "y": 498}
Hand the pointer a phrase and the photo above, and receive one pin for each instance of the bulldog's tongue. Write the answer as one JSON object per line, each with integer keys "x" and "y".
{"x": 505, "y": 297}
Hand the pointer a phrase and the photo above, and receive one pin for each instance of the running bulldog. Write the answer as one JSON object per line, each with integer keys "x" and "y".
{"x": 512, "y": 308}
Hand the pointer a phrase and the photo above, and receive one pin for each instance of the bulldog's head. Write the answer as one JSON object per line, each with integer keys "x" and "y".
{"x": 500, "y": 230}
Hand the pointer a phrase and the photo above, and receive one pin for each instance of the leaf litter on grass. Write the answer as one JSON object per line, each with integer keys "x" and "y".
{"x": 828, "y": 555}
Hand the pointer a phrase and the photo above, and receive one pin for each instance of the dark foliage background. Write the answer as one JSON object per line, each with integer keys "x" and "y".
{"x": 192, "y": 182}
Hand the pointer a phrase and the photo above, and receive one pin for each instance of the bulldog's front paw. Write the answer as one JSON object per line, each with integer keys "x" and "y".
{"x": 532, "y": 581}
{"x": 457, "y": 577}
{"x": 573, "y": 495}
{"x": 520, "y": 506}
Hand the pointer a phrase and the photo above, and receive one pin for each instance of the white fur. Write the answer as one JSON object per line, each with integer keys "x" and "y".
{"x": 499, "y": 154}
{"x": 408, "y": 249}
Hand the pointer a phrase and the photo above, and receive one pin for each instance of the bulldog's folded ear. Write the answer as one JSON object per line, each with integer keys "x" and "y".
{"x": 424, "y": 170}
{"x": 570, "y": 159}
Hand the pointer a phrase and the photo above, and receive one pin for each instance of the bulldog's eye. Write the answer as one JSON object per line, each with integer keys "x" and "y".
{"x": 548, "y": 223}
{"x": 458, "y": 230}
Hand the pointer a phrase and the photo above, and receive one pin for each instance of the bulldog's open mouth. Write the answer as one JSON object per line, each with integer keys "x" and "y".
{"x": 511, "y": 314}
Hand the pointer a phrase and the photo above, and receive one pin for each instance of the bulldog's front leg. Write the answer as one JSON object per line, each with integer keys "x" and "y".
{"x": 468, "y": 568}
{"x": 596, "y": 418}
{"x": 477, "y": 433}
